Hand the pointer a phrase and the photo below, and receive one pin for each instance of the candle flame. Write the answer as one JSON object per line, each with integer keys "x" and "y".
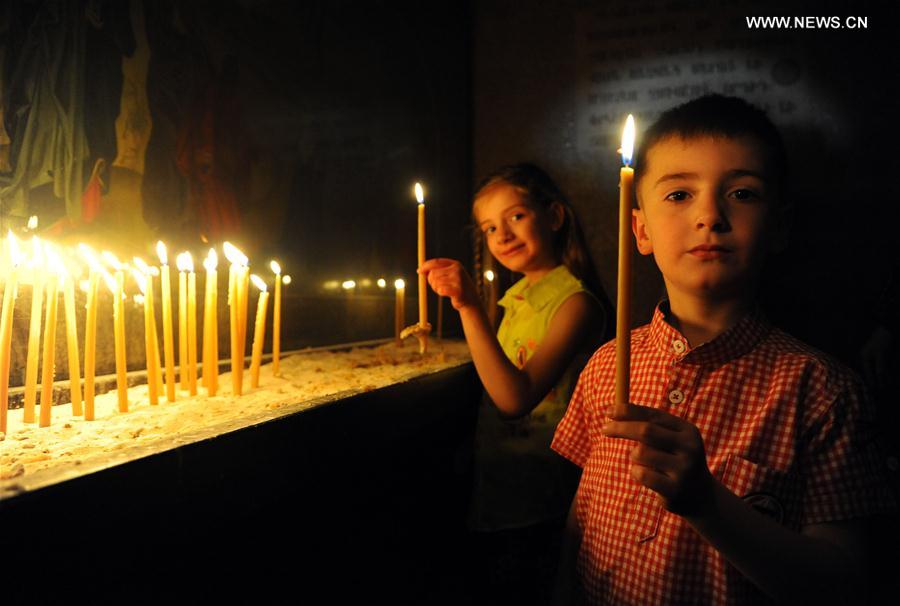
{"x": 234, "y": 255}
{"x": 138, "y": 299}
{"x": 399, "y": 283}
{"x": 84, "y": 285}
{"x": 489, "y": 275}
{"x": 348, "y": 284}
{"x": 161, "y": 253}
{"x": 141, "y": 265}
{"x": 286, "y": 280}
{"x": 88, "y": 253}
{"x": 37, "y": 254}
{"x": 53, "y": 260}
{"x": 32, "y": 222}
{"x": 258, "y": 282}
{"x": 382, "y": 283}
{"x": 141, "y": 279}
{"x": 185, "y": 262}
{"x": 275, "y": 267}
{"x": 112, "y": 260}
{"x": 15, "y": 255}
{"x": 212, "y": 260}
{"x": 420, "y": 196}
{"x": 109, "y": 279}
{"x": 628, "y": 140}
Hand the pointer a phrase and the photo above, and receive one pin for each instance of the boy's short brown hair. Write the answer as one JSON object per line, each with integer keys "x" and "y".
{"x": 718, "y": 116}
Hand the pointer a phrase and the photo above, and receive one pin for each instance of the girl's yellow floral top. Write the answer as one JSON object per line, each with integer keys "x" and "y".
{"x": 519, "y": 481}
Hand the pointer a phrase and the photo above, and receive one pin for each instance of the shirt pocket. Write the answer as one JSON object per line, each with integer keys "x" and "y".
{"x": 769, "y": 491}
{"x": 645, "y": 515}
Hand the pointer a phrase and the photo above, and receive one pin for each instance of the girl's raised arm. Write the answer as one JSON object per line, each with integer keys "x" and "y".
{"x": 514, "y": 391}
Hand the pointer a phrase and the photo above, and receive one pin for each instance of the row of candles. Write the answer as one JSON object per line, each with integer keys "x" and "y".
{"x": 49, "y": 273}
{"x": 238, "y": 286}
{"x": 49, "y": 276}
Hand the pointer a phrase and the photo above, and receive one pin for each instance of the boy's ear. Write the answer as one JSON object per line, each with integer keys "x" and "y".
{"x": 557, "y": 216}
{"x": 641, "y": 235}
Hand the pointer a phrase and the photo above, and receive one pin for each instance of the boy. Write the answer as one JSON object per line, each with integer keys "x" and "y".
{"x": 745, "y": 469}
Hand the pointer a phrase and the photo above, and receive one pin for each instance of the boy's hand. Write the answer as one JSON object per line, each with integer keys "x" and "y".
{"x": 669, "y": 457}
{"x": 448, "y": 278}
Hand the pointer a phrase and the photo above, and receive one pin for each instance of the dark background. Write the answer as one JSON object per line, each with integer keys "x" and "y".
{"x": 322, "y": 114}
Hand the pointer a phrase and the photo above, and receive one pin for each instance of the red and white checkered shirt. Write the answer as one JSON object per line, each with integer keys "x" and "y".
{"x": 784, "y": 427}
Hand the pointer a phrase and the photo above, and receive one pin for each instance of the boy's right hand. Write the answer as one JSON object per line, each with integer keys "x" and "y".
{"x": 448, "y": 278}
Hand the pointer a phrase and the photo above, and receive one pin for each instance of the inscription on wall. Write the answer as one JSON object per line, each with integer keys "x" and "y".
{"x": 645, "y": 58}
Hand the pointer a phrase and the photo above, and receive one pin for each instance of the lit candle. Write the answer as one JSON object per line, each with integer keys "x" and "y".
{"x": 144, "y": 278}
{"x": 233, "y": 322}
{"x": 259, "y": 334}
{"x": 492, "y": 298}
{"x": 48, "y": 363}
{"x": 211, "y": 325}
{"x": 181, "y": 262}
{"x": 285, "y": 280}
{"x": 623, "y": 294}
{"x": 168, "y": 337}
{"x": 192, "y": 326}
{"x": 72, "y": 344}
{"x": 276, "y": 320}
{"x": 6, "y": 321}
{"x": 90, "y": 331}
{"x": 34, "y": 329}
{"x": 244, "y": 293}
{"x": 399, "y": 309}
{"x": 117, "y": 285}
{"x": 236, "y": 275}
{"x": 422, "y": 334}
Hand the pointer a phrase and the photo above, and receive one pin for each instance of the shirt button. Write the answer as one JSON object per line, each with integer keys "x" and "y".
{"x": 679, "y": 346}
{"x": 676, "y": 396}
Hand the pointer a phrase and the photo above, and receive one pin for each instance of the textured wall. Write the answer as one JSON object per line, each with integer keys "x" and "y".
{"x": 553, "y": 83}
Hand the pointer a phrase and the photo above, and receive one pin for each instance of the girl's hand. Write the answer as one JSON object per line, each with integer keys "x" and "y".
{"x": 448, "y": 278}
{"x": 669, "y": 458}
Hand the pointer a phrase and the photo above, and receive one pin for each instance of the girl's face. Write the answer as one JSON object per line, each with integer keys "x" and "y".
{"x": 518, "y": 234}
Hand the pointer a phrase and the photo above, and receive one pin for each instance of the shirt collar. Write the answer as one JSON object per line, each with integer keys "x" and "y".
{"x": 542, "y": 292}
{"x": 731, "y": 344}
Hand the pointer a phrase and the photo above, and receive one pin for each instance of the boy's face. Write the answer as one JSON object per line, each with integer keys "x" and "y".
{"x": 707, "y": 215}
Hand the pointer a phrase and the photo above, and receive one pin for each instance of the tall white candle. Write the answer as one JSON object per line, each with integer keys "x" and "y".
{"x": 72, "y": 345}
{"x": 211, "y": 325}
{"x": 182, "y": 263}
{"x": 6, "y": 323}
{"x": 259, "y": 333}
{"x": 276, "y": 321}
{"x": 422, "y": 334}
{"x": 623, "y": 293}
{"x": 38, "y": 273}
{"x": 168, "y": 337}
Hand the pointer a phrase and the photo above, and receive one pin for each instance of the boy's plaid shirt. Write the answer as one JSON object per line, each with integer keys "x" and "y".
{"x": 784, "y": 427}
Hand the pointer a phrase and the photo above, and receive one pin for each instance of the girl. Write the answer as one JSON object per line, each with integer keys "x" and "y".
{"x": 555, "y": 317}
